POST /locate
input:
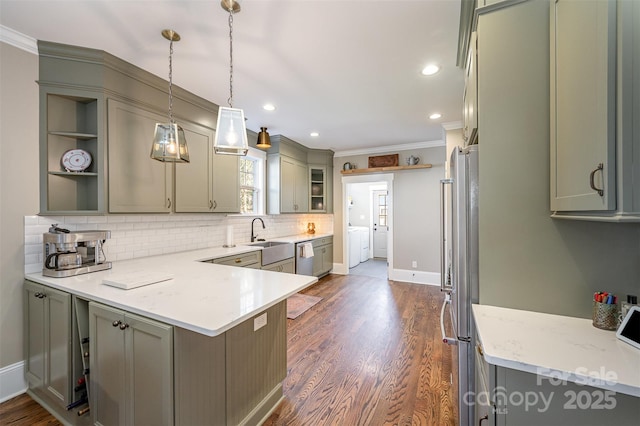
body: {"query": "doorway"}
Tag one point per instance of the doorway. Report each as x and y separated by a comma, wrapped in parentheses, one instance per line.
(367, 210)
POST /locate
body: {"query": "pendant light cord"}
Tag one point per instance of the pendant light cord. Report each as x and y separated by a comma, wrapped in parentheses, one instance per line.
(171, 82)
(230, 100)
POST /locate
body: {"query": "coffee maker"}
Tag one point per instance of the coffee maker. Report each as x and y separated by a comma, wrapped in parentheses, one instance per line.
(67, 253)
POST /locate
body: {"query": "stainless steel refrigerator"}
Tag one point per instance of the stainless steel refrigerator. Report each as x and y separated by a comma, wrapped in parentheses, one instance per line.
(459, 272)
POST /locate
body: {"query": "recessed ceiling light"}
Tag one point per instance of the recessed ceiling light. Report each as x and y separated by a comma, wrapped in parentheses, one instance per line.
(435, 116)
(314, 134)
(269, 107)
(430, 69)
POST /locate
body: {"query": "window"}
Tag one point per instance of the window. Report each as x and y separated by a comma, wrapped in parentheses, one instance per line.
(382, 210)
(252, 182)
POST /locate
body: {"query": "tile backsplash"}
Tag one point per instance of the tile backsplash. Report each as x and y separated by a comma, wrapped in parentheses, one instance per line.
(134, 236)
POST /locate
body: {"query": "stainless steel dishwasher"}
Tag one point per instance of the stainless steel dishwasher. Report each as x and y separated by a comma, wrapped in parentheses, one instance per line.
(304, 265)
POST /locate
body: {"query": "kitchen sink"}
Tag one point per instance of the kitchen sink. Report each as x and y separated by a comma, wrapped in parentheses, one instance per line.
(274, 251)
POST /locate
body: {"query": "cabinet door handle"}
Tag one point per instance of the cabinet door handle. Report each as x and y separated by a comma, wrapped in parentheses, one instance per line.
(124, 326)
(592, 180)
(116, 323)
(210, 204)
(215, 204)
(168, 203)
(238, 260)
(40, 295)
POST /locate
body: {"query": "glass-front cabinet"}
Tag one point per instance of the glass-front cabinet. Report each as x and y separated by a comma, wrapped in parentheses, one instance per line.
(317, 189)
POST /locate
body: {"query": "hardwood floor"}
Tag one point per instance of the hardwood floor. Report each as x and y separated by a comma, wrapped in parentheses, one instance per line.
(370, 353)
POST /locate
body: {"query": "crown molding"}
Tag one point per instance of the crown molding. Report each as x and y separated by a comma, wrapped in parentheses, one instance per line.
(452, 125)
(19, 40)
(390, 148)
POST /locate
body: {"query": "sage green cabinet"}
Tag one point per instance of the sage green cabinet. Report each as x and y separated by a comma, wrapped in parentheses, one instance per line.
(322, 256)
(131, 368)
(583, 66)
(210, 182)
(287, 177)
(137, 184)
(69, 120)
(470, 95)
(48, 343)
(318, 189)
(251, 259)
(287, 266)
(294, 189)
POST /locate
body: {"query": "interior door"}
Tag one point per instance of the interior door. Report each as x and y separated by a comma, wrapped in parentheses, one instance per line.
(380, 223)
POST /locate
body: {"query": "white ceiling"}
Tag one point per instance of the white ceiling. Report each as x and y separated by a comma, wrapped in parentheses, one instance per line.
(348, 69)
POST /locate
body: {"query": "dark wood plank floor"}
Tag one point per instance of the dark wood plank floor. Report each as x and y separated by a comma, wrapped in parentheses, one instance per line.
(370, 353)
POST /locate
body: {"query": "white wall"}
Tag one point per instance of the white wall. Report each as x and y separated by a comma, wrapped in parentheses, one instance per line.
(18, 186)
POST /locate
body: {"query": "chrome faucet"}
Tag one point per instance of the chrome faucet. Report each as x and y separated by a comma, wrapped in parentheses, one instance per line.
(254, 236)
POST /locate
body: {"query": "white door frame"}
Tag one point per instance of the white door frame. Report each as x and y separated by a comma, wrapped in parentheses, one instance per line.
(372, 178)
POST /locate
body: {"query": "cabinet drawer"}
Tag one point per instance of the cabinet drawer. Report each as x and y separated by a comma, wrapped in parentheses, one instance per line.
(243, 259)
(322, 241)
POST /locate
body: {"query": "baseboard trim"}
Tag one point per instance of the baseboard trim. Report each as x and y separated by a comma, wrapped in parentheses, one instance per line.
(403, 275)
(416, 277)
(12, 381)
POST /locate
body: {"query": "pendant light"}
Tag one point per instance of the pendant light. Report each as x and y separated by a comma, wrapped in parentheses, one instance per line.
(169, 142)
(264, 141)
(231, 133)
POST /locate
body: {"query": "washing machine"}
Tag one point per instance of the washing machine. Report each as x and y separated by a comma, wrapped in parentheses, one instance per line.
(364, 243)
(354, 237)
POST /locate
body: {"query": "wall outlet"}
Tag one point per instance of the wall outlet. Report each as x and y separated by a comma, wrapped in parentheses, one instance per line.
(259, 322)
(414, 264)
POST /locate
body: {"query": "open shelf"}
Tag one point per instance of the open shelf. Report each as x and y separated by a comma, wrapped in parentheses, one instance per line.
(75, 135)
(71, 122)
(384, 169)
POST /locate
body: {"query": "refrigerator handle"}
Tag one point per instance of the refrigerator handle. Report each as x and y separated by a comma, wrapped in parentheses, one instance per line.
(443, 240)
(445, 339)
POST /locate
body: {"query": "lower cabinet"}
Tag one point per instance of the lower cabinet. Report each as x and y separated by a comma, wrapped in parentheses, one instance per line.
(322, 256)
(48, 338)
(252, 259)
(288, 266)
(131, 368)
(234, 378)
(505, 396)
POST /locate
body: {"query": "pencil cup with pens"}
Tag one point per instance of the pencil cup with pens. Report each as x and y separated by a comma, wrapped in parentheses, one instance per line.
(605, 311)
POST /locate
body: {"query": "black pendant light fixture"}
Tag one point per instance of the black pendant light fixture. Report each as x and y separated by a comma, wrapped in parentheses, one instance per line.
(231, 132)
(264, 141)
(169, 142)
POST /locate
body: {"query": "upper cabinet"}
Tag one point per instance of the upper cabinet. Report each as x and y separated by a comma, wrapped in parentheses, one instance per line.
(470, 96)
(595, 95)
(583, 59)
(317, 193)
(210, 182)
(72, 151)
(136, 183)
(290, 178)
(97, 119)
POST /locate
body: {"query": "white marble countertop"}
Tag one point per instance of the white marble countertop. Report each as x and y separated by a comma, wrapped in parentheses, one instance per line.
(558, 347)
(203, 297)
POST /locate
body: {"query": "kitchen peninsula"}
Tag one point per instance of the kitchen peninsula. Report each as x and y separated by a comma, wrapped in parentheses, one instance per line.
(206, 346)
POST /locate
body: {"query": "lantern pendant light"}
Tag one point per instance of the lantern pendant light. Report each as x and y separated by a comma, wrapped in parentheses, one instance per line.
(169, 142)
(264, 141)
(231, 132)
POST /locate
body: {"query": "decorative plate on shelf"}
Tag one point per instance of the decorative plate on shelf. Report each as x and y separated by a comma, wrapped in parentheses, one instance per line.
(76, 160)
